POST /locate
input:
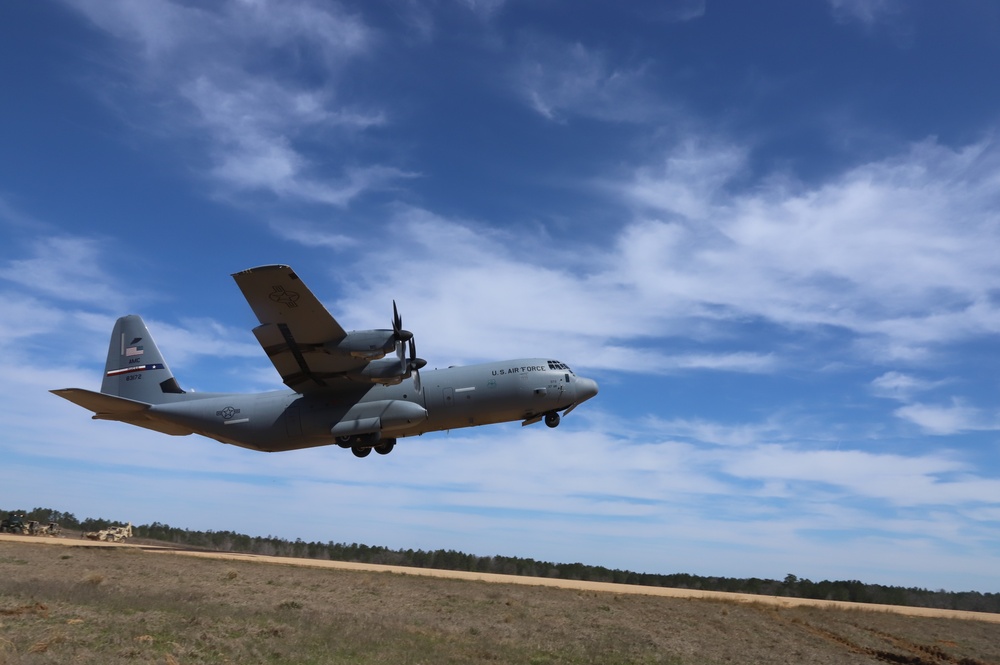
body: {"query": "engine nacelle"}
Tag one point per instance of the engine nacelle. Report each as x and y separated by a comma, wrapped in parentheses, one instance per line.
(388, 372)
(366, 344)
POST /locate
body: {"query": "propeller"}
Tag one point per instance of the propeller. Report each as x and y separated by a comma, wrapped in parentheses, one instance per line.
(403, 338)
(414, 364)
(397, 326)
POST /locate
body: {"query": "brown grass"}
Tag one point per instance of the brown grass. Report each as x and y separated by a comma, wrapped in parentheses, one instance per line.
(118, 605)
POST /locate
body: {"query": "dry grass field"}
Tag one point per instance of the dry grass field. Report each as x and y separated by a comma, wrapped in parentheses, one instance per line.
(81, 604)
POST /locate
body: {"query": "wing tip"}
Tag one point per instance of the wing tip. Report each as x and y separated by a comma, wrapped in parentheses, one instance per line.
(263, 268)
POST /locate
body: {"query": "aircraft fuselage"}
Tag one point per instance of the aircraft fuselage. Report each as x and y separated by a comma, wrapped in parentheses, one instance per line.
(451, 398)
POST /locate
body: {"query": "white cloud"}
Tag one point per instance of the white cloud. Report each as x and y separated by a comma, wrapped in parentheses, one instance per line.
(157, 26)
(258, 123)
(313, 235)
(716, 433)
(171, 33)
(689, 182)
(900, 386)
(944, 420)
(64, 268)
(561, 79)
(484, 294)
(867, 12)
(253, 124)
(902, 480)
(202, 337)
(676, 10)
(897, 256)
(484, 8)
(899, 252)
(934, 419)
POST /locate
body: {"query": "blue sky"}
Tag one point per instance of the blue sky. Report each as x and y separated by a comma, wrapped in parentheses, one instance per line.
(769, 230)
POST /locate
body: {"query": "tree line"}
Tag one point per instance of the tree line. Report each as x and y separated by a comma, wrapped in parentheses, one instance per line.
(791, 586)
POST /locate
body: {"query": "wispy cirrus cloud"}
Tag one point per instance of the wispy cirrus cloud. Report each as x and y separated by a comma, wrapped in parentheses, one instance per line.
(866, 12)
(257, 124)
(560, 80)
(676, 10)
(484, 8)
(172, 34)
(65, 269)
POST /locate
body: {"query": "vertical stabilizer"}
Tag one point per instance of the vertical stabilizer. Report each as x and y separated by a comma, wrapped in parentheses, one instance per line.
(135, 369)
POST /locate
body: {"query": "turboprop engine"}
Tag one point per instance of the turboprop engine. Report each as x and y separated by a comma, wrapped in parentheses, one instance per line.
(365, 344)
(373, 344)
(393, 371)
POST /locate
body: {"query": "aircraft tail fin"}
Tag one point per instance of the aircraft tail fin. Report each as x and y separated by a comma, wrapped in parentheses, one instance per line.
(135, 369)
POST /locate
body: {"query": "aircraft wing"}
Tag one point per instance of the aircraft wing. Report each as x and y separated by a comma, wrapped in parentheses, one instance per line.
(294, 329)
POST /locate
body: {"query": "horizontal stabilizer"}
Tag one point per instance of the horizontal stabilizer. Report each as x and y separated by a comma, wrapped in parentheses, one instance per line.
(101, 404)
(109, 407)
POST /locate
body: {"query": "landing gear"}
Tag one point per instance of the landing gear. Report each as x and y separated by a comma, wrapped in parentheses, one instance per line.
(552, 419)
(362, 446)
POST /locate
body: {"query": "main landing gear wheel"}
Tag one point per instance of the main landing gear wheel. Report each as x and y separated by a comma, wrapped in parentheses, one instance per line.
(361, 452)
(385, 447)
(552, 419)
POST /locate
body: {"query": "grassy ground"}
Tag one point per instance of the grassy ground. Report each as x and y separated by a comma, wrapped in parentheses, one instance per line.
(97, 605)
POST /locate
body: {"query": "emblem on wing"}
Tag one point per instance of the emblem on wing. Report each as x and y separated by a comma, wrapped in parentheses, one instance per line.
(280, 295)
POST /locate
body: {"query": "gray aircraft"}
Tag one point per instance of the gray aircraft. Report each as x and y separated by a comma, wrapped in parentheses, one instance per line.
(343, 388)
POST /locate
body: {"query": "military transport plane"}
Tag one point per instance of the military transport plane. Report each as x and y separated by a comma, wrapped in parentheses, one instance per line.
(344, 389)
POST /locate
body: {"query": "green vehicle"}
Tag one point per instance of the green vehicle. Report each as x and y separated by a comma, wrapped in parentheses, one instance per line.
(14, 524)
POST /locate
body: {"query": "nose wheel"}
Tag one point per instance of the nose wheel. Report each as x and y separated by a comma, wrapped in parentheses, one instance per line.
(552, 419)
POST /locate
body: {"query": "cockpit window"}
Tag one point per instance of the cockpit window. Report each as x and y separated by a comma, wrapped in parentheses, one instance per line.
(555, 364)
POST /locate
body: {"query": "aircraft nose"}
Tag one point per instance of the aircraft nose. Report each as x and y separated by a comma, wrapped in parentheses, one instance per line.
(585, 389)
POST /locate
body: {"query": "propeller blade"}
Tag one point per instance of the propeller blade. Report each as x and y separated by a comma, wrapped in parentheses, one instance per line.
(397, 325)
(414, 364)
